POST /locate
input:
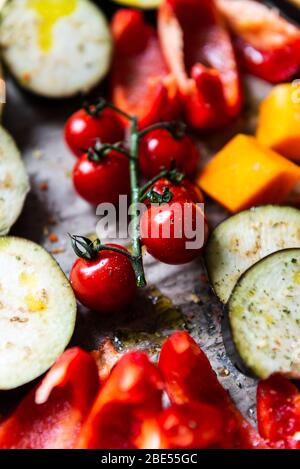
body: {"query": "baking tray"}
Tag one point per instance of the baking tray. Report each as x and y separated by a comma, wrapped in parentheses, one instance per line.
(177, 297)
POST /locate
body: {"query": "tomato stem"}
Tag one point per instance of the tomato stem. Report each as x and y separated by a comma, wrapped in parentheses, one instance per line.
(135, 199)
(171, 174)
(156, 198)
(177, 129)
(95, 109)
(89, 250)
(100, 150)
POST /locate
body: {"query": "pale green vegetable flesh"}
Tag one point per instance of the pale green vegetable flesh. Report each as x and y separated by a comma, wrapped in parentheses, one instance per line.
(14, 183)
(56, 53)
(37, 311)
(264, 315)
(243, 239)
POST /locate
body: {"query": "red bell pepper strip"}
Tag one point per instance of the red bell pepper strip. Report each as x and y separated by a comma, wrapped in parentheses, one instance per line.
(278, 412)
(51, 415)
(191, 426)
(268, 45)
(199, 52)
(141, 84)
(131, 396)
(190, 378)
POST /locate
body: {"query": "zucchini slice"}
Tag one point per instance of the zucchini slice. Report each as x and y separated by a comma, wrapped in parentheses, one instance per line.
(264, 315)
(14, 183)
(242, 240)
(37, 311)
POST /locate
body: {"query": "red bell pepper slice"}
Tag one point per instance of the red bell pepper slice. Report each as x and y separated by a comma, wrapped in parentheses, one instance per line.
(190, 378)
(131, 396)
(199, 52)
(269, 45)
(278, 412)
(141, 83)
(51, 415)
(191, 426)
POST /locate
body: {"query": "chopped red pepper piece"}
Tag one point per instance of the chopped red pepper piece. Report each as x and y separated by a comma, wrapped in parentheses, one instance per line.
(192, 426)
(190, 378)
(51, 415)
(199, 52)
(141, 83)
(131, 396)
(268, 45)
(278, 412)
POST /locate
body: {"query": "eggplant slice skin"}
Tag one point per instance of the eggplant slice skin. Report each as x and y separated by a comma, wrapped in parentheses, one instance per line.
(246, 238)
(264, 315)
(14, 182)
(37, 311)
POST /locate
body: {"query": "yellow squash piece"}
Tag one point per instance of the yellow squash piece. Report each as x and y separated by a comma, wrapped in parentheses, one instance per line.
(245, 174)
(279, 120)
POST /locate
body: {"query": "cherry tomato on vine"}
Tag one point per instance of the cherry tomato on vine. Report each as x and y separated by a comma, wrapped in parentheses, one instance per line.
(104, 180)
(83, 130)
(158, 149)
(105, 284)
(185, 190)
(166, 231)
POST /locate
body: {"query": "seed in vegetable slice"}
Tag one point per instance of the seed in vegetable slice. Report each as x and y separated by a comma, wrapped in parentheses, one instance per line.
(264, 315)
(14, 183)
(37, 311)
(242, 240)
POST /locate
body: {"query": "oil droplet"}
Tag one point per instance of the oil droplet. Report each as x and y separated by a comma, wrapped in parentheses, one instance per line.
(251, 412)
(34, 304)
(159, 319)
(28, 280)
(50, 11)
(297, 277)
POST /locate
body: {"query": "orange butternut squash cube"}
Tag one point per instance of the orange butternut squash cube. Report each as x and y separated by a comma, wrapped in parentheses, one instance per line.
(245, 174)
(279, 120)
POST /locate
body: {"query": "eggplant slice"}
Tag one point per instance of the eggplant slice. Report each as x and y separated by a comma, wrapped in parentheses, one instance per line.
(14, 183)
(264, 315)
(37, 311)
(56, 48)
(242, 240)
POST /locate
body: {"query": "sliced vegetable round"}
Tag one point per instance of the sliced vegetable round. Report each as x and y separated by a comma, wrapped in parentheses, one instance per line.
(37, 311)
(242, 240)
(264, 315)
(14, 183)
(55, 49)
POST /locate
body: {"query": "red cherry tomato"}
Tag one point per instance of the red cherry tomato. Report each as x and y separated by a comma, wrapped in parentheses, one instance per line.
(158, 149)
(82, 131)
(103, 181)
(166, 231)
(105, 284)
(186, 190)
